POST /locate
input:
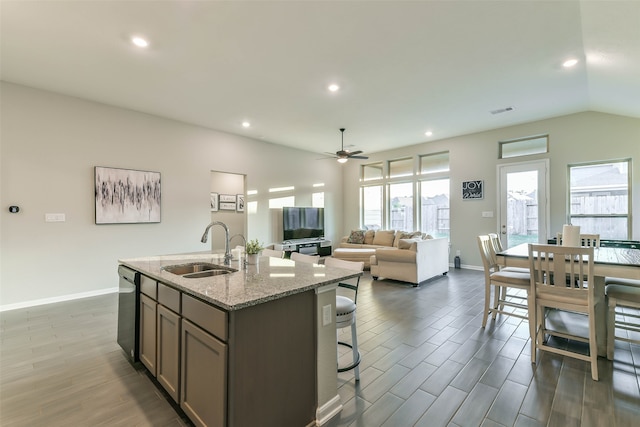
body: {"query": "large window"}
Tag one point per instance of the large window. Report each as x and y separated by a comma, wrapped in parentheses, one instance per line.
(434, 207)
(372, 207)
(401, 206)
(599, 198)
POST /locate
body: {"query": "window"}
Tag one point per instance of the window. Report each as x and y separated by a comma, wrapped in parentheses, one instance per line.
(317, 200)
(434, 207)
(400, 168)
(599, 198)
(524, 146)
(282, 202)
(401, 206)
(372, 207)
(372, 171)
(434, 163)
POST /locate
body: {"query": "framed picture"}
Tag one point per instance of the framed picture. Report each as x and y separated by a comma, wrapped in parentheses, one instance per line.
(125, 196)
(472, 189)
(230, 198)
(240, 203)
(214, 202)
(227, 206)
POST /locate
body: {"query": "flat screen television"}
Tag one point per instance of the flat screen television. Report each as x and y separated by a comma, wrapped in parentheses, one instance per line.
(302, 223)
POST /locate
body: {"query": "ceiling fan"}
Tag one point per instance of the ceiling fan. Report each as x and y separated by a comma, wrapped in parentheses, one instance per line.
(343, 155)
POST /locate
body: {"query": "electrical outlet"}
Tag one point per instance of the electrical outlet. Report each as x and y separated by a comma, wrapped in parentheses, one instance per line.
(326, 315)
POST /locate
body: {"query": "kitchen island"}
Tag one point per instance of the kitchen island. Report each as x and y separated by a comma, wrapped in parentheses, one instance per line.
(254, 346)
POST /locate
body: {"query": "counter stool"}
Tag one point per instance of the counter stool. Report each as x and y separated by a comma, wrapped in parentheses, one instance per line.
(346, 311)
(625, 294)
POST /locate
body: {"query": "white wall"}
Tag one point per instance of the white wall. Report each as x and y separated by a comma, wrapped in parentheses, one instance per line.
(575, 138)
(50, 145)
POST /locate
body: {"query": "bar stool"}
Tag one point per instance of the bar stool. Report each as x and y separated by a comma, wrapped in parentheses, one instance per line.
(346, 311)
(625, 294)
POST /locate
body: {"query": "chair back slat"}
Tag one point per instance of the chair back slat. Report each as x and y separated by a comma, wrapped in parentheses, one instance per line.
(561, 269)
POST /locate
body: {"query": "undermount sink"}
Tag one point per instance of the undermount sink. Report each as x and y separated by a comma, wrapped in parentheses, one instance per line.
(198, 269)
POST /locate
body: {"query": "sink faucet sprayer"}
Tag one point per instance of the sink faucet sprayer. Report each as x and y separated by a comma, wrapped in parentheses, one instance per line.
(205, 236)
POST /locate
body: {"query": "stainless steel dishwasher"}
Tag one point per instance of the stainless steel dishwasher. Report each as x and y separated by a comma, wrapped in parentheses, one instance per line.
(128, 306)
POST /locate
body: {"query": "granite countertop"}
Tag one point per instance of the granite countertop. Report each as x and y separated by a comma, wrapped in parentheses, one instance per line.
(270, 279)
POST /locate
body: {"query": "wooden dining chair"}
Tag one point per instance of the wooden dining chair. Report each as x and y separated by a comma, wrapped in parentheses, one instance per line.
(496, 247)
(562, 279)
(496, 279)
(311, 259)
(623, 303)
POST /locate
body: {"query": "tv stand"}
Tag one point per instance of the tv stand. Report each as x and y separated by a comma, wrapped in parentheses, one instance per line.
(315, 246)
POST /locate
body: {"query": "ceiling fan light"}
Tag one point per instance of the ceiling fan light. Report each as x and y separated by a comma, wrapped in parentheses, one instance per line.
(342, 160)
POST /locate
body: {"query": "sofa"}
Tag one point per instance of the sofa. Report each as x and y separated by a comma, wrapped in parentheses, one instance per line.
(406, 256)
(423, 260)
(360, 245)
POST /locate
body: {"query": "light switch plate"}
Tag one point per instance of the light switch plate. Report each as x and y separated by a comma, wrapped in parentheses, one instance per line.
(487, 214)
(54, 217)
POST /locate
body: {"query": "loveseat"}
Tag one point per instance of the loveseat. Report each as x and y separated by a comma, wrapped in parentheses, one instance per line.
(406, 256)
(423, 260)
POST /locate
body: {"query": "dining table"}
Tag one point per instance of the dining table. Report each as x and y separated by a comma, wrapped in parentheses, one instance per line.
(608, 262)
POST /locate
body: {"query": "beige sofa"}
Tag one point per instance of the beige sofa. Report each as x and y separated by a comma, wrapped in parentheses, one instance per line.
(360, 245)
(423, 260)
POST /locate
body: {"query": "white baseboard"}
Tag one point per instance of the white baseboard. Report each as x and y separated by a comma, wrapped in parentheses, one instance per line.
(329, 410)
(61, 298)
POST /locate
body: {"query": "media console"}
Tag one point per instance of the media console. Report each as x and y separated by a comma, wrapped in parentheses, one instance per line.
(317, 246)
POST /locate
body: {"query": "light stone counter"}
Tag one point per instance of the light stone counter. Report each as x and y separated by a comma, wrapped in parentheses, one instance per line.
(270, 279)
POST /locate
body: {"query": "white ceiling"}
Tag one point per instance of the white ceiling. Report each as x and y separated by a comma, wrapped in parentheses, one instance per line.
(403, 67)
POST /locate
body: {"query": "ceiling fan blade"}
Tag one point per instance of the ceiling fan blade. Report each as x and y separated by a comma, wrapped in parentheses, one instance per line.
(353, 153)
(358, 157)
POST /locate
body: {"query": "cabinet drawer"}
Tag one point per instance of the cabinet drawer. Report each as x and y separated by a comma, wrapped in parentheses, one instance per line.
(208, 317)
(148, 286)
(169, 297)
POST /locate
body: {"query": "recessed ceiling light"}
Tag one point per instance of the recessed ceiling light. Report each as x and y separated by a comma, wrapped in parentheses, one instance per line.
(139, 41)
(246, 124)
(334, 87)
(428, 133)
(569, 63)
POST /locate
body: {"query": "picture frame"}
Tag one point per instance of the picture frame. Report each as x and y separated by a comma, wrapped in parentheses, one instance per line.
(127, 196)
(229, 198)
(472, 190)
(228, 206)
(214, 202)
(240, 202)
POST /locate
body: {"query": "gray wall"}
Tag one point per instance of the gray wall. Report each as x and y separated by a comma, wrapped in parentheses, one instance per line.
(575, 138)
(50, 145)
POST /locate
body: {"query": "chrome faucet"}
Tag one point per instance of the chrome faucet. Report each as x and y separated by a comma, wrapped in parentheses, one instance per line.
(227, 251)
(244, 240)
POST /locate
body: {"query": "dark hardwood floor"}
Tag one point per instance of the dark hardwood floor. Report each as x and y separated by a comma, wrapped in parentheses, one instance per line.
(425, 362)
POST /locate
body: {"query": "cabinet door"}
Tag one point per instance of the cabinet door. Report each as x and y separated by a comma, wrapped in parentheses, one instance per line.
(168, 352)
(203, 394)
(147, 337)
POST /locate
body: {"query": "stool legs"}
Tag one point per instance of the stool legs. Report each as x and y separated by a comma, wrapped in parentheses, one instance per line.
(354, 349)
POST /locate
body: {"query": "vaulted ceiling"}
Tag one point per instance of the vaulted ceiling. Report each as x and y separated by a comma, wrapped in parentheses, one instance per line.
(403, 67)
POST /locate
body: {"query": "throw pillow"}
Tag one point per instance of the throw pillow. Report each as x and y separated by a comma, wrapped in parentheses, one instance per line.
(356, 236)
(408, 243)
(406, 235)
(384, 237)
(368, 237)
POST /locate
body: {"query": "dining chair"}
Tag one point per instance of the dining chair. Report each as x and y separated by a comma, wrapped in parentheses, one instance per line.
(272, 253)
(573, 292)
(311, 259)
(496, 245)
(623, 302)
(586, 239)
(497, 279)
(346, 311)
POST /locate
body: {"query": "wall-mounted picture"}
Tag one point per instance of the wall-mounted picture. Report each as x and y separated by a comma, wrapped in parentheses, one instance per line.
(229, 198)
(472, 189)
(227, 206)
(240, 203)
(214, 202)
(125, 196)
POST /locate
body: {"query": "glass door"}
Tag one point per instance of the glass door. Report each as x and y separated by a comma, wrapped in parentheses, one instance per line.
(523, 206)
